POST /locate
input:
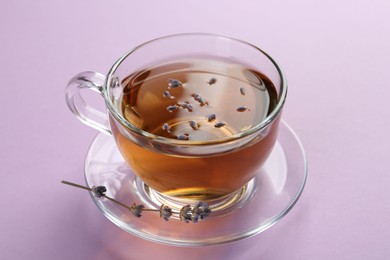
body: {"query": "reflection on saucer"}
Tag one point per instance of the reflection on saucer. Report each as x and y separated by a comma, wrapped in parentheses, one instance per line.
(276, 166)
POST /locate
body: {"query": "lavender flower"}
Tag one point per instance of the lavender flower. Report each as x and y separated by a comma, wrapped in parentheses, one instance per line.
(99, 191)
(219, 125)
(137, 209)
(183, 137)
(211, 118)
(187, 106)
(243, 109)
(165, 212)
(212, 81)
(174, 83)
(200, 211)
(185, 214)
(166, 94)
(201, 100)
(166, 127)
(194, 125)
(172, 108)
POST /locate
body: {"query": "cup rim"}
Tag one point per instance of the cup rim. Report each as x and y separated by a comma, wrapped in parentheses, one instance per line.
(263, 124)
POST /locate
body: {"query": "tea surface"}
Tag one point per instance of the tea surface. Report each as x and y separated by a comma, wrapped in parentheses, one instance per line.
(197, 99)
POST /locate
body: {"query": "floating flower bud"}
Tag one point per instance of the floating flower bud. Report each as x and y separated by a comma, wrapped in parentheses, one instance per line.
(242, 91)
(136, 209)
(201, 100)
(99, 191)
(174, 83)
(194, 125)
(187, 106)
(165, 212)
(166, 127)
(166, 94)
(211, 117)
(172, 108)
(212, 81)
(185, 214)
(242, 109)
(219, 125)
(183, 137)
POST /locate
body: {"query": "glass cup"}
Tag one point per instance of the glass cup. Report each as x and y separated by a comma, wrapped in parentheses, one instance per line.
(222, 96)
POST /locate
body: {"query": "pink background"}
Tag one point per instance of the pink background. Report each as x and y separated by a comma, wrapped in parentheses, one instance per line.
(337, 60)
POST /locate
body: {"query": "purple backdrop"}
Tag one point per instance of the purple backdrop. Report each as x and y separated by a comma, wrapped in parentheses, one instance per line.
(336, 57)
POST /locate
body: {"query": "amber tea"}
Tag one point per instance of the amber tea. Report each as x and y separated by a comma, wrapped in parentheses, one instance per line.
(197, 100)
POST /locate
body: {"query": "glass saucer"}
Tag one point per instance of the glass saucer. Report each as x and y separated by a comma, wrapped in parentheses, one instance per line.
(274, 191)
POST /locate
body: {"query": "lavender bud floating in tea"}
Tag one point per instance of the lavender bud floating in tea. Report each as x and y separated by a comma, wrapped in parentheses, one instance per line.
(183, 137)
(167, 94)
(166, 127)
(242, 109)
(174, 83)
(212, 81)
(219, 125)
(172, 108)
(211, 118)
(199, 212)
(201, 100)
(187, 106)
(194, 125)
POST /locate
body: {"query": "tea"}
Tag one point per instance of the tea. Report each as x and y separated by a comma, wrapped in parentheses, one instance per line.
(197, 100)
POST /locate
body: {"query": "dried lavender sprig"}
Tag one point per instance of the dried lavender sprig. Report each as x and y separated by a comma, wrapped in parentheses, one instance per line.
(200, 211)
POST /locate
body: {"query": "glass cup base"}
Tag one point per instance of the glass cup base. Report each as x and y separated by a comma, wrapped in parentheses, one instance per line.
(267, 198)
(220, 206)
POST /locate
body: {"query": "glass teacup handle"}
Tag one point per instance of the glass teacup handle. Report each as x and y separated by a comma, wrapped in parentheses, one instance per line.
(85, 113)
